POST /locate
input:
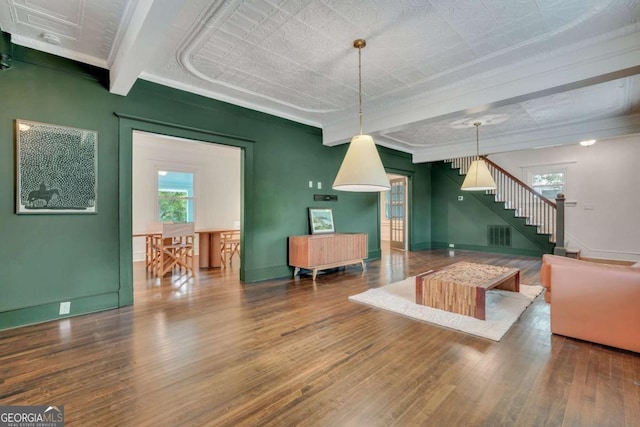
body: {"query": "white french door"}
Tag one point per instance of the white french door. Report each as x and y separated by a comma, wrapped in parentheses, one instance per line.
(398, 213)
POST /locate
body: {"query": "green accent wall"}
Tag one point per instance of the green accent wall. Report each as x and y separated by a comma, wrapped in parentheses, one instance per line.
(86, 259)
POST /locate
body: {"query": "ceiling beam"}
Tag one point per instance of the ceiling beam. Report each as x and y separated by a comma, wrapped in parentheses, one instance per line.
(607, 60)
(149, 24)
(539, 138)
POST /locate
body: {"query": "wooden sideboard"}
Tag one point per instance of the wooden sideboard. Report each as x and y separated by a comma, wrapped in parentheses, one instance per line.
(321, 251)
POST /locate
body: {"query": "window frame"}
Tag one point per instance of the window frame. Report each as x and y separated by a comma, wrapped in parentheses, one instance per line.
(531, 172)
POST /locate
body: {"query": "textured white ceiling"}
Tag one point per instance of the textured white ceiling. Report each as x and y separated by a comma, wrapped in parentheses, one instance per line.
(540, 72)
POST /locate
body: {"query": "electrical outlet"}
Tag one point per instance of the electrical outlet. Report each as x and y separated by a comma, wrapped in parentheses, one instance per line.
(451, 245)
(319, 185)
(310, 184)
(65, 307)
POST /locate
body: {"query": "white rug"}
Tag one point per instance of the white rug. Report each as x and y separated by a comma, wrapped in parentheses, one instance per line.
(502, 308)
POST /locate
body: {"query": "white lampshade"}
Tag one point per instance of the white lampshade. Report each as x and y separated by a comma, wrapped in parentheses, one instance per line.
(478, 177)
(362, 168)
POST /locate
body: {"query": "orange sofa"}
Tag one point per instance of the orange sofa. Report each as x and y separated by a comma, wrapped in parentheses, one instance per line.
(593, 301)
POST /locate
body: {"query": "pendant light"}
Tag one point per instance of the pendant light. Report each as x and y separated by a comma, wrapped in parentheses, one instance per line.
(478, 176)
(361, 169)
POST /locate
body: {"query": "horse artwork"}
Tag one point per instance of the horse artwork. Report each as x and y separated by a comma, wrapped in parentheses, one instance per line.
(56, 169)
(41, 194)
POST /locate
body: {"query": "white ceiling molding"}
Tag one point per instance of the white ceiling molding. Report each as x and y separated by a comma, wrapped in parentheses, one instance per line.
(549, 137)
(274, 109)
(58, 51)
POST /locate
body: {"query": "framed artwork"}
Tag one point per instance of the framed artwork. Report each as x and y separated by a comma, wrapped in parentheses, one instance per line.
(321, 220)
(56, 169)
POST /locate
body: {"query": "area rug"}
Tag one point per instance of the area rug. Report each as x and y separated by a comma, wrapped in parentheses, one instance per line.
(502, 308)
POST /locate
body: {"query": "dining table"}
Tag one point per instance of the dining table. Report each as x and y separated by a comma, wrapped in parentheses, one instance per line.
(209, 250)
(209, 246)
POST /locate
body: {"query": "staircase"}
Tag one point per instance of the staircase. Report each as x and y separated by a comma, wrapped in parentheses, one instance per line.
(536, 209)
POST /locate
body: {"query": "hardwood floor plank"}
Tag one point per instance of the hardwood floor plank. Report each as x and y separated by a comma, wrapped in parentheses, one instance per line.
(210, 351)
(630, 389)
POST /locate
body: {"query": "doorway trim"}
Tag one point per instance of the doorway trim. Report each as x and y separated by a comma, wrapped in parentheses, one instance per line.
(126, 125)
(409, 205)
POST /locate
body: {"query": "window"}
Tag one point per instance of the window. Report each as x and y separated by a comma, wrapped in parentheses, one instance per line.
(387, 203)
(397, 200)
(175, 196)
(549, 184)
(394, 202)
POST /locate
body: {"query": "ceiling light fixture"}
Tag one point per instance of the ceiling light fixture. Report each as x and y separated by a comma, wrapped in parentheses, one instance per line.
(478, 176)
(588, 142)
(361, 169)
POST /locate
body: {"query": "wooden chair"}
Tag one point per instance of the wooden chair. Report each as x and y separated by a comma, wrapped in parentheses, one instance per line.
(175, 248)
(229, 244)
(152, 241)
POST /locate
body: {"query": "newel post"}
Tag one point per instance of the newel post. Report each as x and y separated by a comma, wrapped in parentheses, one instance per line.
(560, 249)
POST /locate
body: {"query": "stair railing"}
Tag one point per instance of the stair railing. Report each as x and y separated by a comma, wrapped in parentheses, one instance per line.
(515, 194)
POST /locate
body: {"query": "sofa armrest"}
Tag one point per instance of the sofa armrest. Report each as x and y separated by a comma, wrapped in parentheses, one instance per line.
(596, 304)
(548, 261)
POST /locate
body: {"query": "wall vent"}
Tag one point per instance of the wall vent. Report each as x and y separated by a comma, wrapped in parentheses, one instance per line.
(499, 235)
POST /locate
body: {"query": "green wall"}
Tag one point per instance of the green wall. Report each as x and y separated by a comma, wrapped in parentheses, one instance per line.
(86, 259)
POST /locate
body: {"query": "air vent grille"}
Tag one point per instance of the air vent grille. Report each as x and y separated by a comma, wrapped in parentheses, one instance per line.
(499, 235)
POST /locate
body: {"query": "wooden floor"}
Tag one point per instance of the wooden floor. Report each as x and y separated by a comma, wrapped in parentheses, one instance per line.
(213, 352)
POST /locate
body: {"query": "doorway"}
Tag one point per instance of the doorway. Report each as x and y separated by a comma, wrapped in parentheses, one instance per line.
(130, 124)
(181, 180)
(394, 220)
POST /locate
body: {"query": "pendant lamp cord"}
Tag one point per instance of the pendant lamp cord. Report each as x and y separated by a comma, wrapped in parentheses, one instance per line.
(477, 125)
(360, 84)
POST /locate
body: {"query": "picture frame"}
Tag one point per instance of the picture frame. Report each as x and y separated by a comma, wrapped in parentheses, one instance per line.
(321, 221)
(56, 169)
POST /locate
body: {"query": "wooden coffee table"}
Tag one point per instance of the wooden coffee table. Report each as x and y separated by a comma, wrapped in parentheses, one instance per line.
(461, 287)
